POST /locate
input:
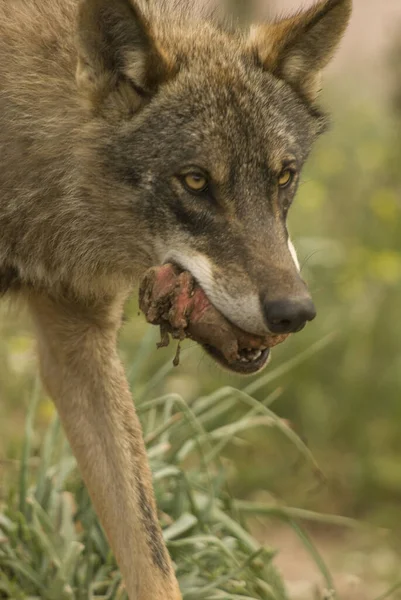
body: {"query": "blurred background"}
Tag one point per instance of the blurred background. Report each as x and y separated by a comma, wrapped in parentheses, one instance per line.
(343, 396)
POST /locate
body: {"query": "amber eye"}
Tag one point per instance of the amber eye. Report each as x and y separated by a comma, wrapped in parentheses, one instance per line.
(285, 178)
(195, 182)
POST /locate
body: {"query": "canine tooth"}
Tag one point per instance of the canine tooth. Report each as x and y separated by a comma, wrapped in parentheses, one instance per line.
(257, 355)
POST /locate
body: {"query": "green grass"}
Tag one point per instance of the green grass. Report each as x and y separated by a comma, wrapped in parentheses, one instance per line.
(52, 546)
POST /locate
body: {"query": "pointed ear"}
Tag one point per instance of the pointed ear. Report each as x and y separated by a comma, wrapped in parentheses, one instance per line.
(298, 48)
(116, 52)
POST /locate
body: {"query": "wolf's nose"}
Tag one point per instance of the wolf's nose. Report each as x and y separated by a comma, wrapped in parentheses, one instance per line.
(289, 316)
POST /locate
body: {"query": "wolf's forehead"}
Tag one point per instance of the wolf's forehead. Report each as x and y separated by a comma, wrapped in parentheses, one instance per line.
(250, 118)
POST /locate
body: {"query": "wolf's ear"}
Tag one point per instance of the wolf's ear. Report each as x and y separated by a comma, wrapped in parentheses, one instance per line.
(298, 48)
(116, 51)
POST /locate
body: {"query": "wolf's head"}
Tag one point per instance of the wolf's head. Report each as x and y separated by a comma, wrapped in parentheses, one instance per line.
(199, 135)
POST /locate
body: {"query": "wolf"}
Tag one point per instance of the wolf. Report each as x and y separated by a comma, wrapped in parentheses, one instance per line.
(136, 133)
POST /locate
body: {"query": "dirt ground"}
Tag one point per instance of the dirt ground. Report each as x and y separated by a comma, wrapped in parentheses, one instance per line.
(363, 567)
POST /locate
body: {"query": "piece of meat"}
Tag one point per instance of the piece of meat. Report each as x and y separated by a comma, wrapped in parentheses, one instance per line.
(173, 300)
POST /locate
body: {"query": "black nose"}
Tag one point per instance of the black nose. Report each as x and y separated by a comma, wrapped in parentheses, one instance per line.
(289, 316)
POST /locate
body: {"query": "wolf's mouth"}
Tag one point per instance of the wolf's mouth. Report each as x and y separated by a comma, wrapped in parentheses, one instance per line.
(172, 299)
(248, 363)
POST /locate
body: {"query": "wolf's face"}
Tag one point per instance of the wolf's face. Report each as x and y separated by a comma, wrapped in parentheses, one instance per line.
(204, 150)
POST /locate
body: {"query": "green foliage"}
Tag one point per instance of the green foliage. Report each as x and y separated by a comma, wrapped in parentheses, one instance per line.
(347, 400)
(53, 548)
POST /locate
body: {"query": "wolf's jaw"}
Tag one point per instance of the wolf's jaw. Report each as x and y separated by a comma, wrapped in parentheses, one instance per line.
(247, 364)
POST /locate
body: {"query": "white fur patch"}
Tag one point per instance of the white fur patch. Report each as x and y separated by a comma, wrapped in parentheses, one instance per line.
(293, 253)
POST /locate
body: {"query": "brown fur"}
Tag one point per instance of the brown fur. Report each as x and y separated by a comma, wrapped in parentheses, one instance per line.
(101, 107)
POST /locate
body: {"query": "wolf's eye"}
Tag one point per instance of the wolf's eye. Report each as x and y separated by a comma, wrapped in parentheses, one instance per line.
(285, 178)
(195, 182)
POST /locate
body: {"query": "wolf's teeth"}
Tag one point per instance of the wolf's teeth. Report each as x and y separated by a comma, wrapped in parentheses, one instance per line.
(248, 355)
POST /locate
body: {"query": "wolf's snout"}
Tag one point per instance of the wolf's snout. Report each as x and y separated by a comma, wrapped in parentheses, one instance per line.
(288, 315)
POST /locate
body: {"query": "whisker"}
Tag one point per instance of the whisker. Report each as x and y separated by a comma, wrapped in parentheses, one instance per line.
(308, 257)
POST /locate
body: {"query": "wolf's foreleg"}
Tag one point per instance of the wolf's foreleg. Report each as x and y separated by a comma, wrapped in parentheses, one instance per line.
(81, 370)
